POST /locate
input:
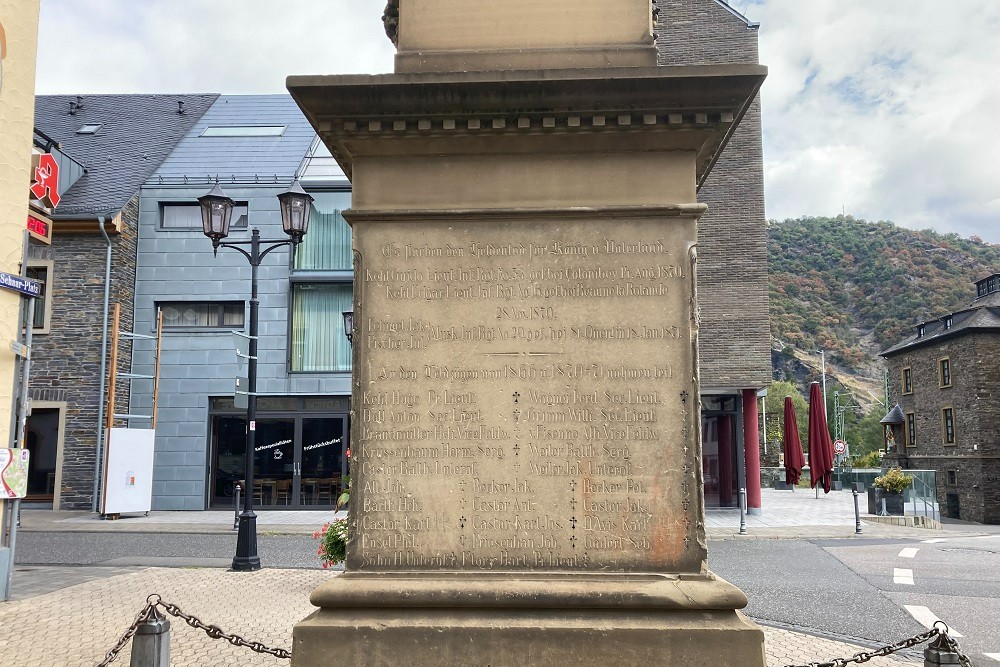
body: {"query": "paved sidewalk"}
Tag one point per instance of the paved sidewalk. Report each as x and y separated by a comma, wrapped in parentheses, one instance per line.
(76, 625)
(786, 514)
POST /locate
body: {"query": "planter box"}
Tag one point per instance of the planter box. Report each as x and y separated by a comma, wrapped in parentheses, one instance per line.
(894, 502)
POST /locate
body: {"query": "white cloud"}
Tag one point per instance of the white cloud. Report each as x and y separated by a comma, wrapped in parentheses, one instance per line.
(883, 108)
(227, 46)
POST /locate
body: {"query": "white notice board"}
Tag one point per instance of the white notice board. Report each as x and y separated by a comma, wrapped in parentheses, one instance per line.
(128, 470)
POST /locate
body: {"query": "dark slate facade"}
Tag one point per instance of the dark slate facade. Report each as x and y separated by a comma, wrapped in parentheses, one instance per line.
(965, 456)
(735, 339)
(135, 133)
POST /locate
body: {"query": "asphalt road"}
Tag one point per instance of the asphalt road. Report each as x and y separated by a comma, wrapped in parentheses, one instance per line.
(860, 588)
(849, 588)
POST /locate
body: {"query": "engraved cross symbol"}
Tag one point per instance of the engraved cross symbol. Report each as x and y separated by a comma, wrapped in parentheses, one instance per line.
(572, 504)
(517, 449)
(461, 540)
(517, 396)
(685, 396)
(517, 414)
(572, 541)
(572, 522)
(461, 522)
(461, 485)
(572, 485)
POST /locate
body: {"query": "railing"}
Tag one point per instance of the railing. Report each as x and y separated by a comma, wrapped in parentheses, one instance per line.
(919, 500)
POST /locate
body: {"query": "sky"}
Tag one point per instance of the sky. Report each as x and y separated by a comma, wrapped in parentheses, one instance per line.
(880, 110)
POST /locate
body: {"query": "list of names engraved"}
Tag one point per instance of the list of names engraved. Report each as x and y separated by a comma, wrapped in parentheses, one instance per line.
(526, 398)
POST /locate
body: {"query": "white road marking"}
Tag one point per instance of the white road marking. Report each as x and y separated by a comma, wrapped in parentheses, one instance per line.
(902, 576)
(908, 552)
(994, 656)
(926, 618)
(935, 540)
(984, 537)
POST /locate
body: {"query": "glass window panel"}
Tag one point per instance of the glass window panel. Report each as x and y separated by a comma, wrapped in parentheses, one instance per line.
(188, 216)
(41, 274)
(232, 315)
(202, 314)
(318, 340)
(274, 460)
(327, 244)
(323, 455)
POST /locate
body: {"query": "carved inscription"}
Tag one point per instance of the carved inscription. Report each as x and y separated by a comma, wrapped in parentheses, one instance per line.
(524, 404)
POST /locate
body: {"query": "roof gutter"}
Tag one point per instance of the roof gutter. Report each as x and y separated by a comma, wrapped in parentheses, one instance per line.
(99, 458)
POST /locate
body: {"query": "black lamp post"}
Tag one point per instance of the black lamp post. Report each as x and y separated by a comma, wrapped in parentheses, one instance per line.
(216, 214)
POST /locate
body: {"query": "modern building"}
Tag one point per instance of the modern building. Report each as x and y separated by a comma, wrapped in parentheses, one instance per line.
(946, 379)
(254, 146)
(109, 145)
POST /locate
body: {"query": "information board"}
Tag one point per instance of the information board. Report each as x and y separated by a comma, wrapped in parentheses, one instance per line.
(128, 476)
(14, 473)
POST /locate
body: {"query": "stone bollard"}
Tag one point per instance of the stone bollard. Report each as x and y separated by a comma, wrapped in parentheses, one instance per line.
(151, 642)
(941, 652)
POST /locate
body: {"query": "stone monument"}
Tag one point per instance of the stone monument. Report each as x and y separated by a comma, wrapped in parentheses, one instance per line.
(526, 468)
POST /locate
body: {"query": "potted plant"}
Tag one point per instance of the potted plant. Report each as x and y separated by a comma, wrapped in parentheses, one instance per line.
(890, 487)
(334, 534)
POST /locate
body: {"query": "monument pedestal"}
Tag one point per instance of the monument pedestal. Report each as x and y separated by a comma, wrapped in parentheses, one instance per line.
(450, 619)
(526, 417)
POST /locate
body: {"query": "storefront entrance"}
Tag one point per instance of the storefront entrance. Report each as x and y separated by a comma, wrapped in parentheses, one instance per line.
(300, 456)
(42, 439)
(719, 455)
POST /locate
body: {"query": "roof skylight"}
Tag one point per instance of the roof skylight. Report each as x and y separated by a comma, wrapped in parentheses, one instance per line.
(90, 128)
(244, 131)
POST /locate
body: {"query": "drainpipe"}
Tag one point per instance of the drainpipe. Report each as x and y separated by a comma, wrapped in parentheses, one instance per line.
(99, 458)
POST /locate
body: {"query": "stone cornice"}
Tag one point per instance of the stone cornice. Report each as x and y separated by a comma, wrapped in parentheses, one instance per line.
(705, 101)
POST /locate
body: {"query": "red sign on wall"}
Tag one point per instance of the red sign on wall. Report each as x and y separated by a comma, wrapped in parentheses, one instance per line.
(45, 187)
(39, 228)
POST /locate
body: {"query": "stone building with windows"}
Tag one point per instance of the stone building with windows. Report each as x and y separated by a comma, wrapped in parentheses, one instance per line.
(946, 380)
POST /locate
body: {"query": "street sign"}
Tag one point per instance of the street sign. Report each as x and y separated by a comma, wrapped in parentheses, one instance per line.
(839, 447)
(25, 286)
(14, 473)
(20, 349)
(240, 395)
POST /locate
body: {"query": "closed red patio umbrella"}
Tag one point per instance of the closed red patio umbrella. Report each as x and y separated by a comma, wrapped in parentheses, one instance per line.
(794, 460)
(820, 445)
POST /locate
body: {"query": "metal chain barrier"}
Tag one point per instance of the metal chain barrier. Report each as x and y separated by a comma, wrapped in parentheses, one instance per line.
(215, 632)
(943, 642)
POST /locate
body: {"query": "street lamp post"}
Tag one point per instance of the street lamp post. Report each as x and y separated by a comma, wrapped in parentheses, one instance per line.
(216, 214)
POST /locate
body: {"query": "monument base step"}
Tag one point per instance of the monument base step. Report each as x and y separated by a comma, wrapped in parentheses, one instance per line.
(500, 620)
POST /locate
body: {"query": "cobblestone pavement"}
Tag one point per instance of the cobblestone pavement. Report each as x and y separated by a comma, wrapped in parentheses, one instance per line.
(76, 625)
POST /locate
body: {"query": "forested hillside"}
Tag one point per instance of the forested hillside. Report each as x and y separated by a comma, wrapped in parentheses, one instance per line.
(854, 287)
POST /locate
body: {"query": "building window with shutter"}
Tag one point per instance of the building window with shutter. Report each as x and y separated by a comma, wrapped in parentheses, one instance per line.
(948, 425)
(911, 430)
(944, 372)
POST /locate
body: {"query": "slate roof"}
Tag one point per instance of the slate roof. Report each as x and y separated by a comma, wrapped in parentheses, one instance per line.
(137, 132)
(274, 158)
(981, 318)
